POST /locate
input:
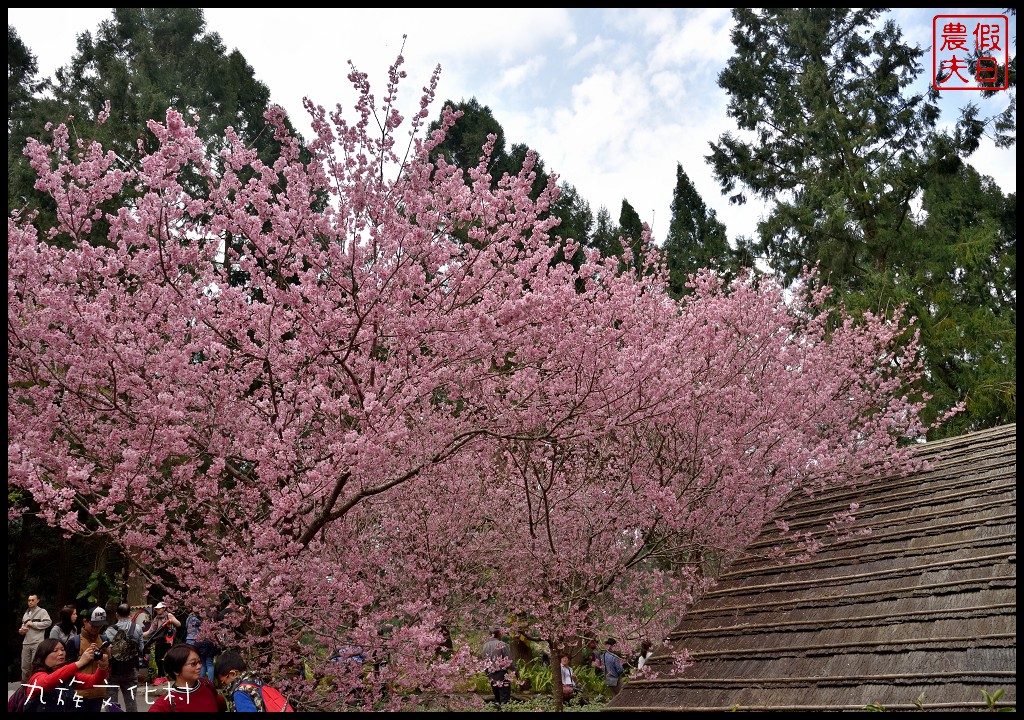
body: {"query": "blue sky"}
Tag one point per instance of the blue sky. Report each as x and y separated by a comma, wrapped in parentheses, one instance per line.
(611, 98)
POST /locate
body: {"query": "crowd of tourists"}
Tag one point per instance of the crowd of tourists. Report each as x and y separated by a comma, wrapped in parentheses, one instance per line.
(95, 665)
(88, 664)
(608, 665)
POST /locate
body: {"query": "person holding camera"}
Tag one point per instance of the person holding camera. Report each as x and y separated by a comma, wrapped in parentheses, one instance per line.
(92, 629)
(55, 684)
(161, 635)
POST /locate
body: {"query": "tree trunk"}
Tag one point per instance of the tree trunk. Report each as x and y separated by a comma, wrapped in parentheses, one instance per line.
(556, 674)
(136, 585)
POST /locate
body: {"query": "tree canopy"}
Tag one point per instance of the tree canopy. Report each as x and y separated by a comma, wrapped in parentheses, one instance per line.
(387, 436)
(845, 152)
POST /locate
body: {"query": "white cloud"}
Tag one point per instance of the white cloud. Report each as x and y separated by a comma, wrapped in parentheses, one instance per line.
(596, 50)
(701, 39)
(515, 76)
(669, 86)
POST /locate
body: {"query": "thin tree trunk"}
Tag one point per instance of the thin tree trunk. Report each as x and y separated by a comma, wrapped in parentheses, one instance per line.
(556, 674)
(136, 585)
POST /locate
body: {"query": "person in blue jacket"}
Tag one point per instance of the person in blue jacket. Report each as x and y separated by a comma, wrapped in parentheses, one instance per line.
(243, 690)
(612, 667)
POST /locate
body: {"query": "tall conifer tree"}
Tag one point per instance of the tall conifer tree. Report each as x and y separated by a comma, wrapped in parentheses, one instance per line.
(143, 61)
(840, 144)
(696, 238)
(632, 228)
(842, 148)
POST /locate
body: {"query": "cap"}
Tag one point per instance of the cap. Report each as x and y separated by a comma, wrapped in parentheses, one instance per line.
(98, 616)
(159, 605)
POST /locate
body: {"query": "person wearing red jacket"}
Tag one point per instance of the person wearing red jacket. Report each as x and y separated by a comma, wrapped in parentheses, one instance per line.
(54, 683)
(187, 691)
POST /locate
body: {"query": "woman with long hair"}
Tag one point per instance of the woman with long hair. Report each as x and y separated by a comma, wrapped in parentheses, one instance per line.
(187, 691)
(67, 630)
(54, 680)
(646, 650)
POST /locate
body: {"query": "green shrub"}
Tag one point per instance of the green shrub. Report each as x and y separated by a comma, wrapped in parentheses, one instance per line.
(591, 680)
(536, 674)
(481, 685)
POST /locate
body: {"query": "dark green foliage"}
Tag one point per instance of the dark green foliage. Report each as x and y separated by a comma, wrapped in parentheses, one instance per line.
(144, 60)
(463, 146)
(605, 237)
(696, 238)
(1004, 124)
(22, 69)
(632, 229)
(575, 223)
(839, 141)
(844, 151)
(23, 88)
(464, 140)
(960, 279)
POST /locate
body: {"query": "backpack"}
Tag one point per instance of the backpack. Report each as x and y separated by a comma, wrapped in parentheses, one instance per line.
(124, 648)
(206, 648)
(16, 702)
(19, 701)
(270, 699)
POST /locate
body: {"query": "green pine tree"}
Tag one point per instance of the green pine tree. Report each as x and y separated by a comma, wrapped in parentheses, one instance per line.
(696, 238)
(843, 149)
(144, 60)
(632, 229)
(605, 236)
(839, 144)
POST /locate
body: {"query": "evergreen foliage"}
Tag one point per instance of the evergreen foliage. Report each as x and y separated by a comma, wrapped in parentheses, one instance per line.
(143, 61)
(632, 229)
(696, 238)
(605, 237)
(844, 151)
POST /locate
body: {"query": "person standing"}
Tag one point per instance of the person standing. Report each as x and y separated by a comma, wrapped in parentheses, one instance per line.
(90, 640)
(497, 651)
(207, 648)
(161, 634)
(594, 656)
(34, 624)
(569, 684)
(66, 630)
(124, 670)
(612, 667)
(646, 650)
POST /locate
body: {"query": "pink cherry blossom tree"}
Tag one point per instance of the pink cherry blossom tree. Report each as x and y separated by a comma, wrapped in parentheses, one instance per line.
(709, 418)
(355, 392)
